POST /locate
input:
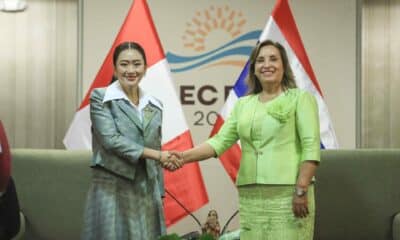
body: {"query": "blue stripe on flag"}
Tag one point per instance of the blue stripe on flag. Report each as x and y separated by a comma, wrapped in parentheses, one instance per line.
(240, 86)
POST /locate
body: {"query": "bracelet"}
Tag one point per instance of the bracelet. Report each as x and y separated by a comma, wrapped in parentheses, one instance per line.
(300, 192)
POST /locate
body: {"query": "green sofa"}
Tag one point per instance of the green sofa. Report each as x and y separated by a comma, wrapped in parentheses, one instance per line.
(51, 187)
(357, 193)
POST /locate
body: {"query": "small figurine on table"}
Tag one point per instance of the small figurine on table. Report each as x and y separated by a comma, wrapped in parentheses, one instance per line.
(211, 226)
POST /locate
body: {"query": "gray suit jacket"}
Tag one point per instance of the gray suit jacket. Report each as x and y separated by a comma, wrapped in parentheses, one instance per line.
(119, 137)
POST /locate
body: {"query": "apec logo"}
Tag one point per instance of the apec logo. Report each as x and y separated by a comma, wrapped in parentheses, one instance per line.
(202, 33)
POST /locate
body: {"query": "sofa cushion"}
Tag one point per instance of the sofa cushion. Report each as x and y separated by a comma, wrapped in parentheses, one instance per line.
(396, 227)
(52, 187)
(357, 194)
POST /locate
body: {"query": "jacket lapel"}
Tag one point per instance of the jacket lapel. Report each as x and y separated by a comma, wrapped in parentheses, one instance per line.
(128, 110)
(148, 113)
(251, 110)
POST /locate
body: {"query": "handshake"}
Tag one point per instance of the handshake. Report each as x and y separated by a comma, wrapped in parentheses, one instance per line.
(171, 160)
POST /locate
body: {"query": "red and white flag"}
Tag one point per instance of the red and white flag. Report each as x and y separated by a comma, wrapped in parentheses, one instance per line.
(281, 28)
(186, 184)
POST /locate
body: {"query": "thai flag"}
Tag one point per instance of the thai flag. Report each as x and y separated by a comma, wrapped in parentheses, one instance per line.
(186, 185)
(281, 28)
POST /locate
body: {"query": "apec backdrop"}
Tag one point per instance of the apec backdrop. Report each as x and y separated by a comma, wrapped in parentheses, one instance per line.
(201, 83)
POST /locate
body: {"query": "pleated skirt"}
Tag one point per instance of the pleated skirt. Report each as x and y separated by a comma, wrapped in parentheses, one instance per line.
(266, 214)
(118, 208)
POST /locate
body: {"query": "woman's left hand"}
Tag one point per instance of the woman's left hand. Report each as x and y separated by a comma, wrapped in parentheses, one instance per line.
(170, 161)
(300, 206)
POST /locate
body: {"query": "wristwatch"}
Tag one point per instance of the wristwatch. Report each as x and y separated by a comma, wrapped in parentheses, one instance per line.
(300, 192)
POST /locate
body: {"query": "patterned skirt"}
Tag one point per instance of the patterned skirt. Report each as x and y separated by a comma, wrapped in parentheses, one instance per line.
(117, 208)
(266, 214)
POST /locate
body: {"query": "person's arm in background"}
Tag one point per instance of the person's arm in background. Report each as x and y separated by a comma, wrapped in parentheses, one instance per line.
(307, 124)
(1, 151)
(9, 211)
(5, 160)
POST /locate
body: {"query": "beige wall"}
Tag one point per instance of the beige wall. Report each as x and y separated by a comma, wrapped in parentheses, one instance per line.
(328, 30)
(380, 74)
(38, 72)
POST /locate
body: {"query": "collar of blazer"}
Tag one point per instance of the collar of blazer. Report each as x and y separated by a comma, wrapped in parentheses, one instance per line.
(251, 110)
(125, 106)
(149, 111)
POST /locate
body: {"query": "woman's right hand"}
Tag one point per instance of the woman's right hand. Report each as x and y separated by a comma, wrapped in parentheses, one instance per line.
(170, 161)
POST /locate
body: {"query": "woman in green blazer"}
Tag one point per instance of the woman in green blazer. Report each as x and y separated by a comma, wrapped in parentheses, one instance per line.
(124, 199)
(278, 128)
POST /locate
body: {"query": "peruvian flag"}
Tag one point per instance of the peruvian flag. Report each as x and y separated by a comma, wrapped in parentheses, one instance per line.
(186, 185)
(281, 28)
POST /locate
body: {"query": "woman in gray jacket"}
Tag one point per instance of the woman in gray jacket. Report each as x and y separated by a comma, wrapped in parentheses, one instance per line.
(125, 197)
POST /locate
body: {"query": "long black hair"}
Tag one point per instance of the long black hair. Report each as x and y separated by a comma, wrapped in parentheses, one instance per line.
(124, 46)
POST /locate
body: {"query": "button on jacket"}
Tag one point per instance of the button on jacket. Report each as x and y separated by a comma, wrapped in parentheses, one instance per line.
(290, 135)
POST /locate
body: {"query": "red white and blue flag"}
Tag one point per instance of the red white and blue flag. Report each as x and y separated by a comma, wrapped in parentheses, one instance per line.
(281, 28)
(186, 185)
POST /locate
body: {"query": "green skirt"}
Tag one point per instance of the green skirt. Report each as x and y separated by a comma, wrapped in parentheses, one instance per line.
(266, 213)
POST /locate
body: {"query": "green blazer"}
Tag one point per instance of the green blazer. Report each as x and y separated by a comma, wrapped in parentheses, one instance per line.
(119, 137)
(291, 135)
